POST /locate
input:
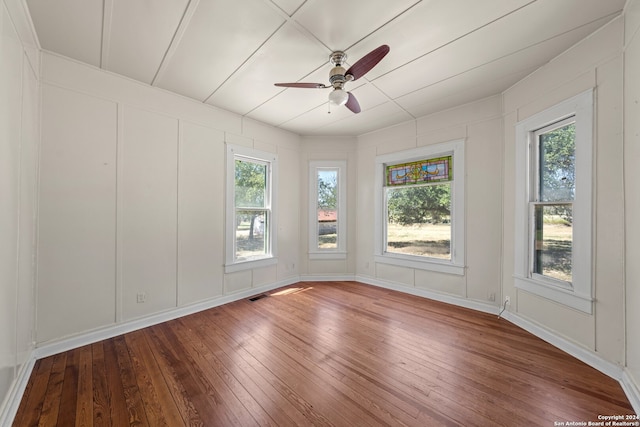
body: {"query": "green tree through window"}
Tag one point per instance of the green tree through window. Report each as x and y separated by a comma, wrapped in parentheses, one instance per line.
(250, 201)
(420, 205)
(557, 168)
(327, 189)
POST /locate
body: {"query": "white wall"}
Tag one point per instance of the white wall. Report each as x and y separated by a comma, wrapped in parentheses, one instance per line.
(76, 252)
(632, 189)
(18, 166)
(595, 62)
(480, 125)
(132, 201)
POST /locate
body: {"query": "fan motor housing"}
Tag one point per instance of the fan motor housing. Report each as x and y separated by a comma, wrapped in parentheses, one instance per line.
(336, 76)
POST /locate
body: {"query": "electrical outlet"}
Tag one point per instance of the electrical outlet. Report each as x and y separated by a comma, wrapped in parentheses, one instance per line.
(141, 297)
(491, 296)
(507, 300)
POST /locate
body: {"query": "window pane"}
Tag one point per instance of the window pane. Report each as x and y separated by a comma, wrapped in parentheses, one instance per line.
(419, 220)
(327, 207)
(557, 159)
(250, 184)
(553, 241)
(251, 230)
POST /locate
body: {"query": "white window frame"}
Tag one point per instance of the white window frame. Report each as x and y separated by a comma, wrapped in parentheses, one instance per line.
(579, 293)
(271, 160)
(456, 265)
(340, 251)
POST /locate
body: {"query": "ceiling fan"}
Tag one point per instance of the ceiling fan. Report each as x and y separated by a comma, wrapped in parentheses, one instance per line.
(338, 76)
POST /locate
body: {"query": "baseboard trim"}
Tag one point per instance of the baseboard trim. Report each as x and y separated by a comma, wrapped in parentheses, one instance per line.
(58, 346)
(449, 299)
(327, 278)
(631, 389)
(11, 404)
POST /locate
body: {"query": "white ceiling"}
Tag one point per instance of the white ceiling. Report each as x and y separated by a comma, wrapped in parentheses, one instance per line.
(228, 53)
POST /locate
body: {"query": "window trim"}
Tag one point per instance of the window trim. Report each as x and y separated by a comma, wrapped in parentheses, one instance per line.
(340, 252)
(579, 294)
(457, 263)
(271, 160)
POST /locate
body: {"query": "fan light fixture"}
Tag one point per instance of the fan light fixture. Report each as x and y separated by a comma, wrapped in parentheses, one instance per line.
(338, 97)
(338, 76)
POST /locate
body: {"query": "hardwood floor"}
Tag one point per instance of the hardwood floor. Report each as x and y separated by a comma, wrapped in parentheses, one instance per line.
(321, 353)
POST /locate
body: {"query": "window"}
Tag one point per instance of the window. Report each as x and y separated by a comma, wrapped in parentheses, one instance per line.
(420, 208)
(251, 177)
(553, 154)
(327, 209)
(554, 203)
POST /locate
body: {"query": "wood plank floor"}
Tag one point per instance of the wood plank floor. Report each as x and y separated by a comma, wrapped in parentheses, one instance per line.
(325, 354)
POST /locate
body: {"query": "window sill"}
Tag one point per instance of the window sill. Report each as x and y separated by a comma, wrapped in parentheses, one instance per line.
(421, 264)
(249, 264)
(328, 255)
(566, 297)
